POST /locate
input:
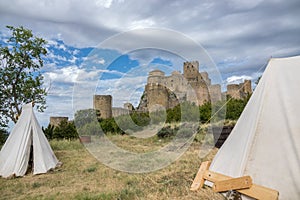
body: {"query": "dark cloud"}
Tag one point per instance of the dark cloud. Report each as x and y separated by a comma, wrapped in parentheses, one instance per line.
(250, 31)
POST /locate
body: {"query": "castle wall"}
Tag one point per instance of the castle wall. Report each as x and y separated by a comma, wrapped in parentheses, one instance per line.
(120, 111)
(204, 76)
(128, 106)
(103, 103)
(157, 96)
(247, 87)
(175, 82)
(215, 93)
(239, 91)
(233, 91)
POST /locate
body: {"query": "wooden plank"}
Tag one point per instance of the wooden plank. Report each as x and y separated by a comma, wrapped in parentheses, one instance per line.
(260, 192)
(199, 180)
(233, 184)
(255, 191)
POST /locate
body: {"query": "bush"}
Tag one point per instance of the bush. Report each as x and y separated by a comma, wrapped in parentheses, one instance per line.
(65, 130)
(110, 126)
(235, 108)
(48, 131)
(83, 117)
(3, 136)
(167, 131)
(92, 128)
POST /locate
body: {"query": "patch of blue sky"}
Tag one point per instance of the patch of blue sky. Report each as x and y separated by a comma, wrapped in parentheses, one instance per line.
(159, 60)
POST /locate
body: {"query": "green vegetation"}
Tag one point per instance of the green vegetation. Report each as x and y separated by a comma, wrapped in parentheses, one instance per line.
(65, 130)
(3, 136)
(83, 177)
(235, 107)
(20, 79)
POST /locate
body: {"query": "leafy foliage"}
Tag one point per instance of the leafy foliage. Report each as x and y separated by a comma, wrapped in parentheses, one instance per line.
(48, 131)
(166, 132)
(3, 136)
(65, 130)
(235, 107)
(83, 117)
(20, 80)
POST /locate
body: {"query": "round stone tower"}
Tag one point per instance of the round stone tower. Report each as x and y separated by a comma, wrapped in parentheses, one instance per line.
(103, 103)
(156, 76)
(157, 96)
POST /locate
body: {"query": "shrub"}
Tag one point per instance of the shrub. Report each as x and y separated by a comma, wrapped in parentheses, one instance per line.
(3, 136)
(166, 132)
(65, 130)
(235, 108)
(48, 131)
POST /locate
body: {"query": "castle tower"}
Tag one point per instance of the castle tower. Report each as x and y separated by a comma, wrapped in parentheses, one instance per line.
(247, 87)
(158, 96)
(191, 70)
(215, 93)
(155, 76)
(234, 91)
(103, 103)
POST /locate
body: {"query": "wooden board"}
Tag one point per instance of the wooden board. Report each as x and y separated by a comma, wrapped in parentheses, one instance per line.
(255, 191)
(233, 184)
(199, 180)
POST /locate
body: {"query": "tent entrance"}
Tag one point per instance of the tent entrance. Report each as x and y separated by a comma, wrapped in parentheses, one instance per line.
(30, 157)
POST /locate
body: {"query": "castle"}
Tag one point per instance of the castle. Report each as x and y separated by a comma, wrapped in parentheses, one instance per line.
(168, 91)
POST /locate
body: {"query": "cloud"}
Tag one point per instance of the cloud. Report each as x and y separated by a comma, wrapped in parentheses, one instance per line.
(237, 79)
(239, 36)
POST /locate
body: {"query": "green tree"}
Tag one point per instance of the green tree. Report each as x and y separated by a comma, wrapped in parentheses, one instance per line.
(65, 130)
(257, 81)
(83, 117)
(20, 79)
(3, 136)
(48, 131)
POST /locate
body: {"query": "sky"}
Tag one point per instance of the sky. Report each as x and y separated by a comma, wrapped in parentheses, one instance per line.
(109, 46)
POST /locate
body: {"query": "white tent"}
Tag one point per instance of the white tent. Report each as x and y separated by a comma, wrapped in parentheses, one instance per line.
(265, 143)
(15, 153)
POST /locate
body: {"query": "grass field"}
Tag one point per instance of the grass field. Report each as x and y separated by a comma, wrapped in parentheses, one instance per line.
(83, 177)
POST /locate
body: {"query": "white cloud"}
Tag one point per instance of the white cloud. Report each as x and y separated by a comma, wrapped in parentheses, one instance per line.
(237, 79)
(101, 61)
(104, 3)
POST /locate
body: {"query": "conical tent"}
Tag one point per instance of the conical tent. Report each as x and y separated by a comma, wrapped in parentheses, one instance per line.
(265, 143)
(15, 153)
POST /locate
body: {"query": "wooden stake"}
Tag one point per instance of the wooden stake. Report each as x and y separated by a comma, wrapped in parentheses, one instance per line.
(199, 180)
(233, 184)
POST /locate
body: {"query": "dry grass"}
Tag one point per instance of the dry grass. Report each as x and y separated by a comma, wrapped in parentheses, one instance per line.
(83, 177)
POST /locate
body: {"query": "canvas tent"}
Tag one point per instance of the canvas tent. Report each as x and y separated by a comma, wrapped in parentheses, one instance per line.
(265, 143)
(15, 153)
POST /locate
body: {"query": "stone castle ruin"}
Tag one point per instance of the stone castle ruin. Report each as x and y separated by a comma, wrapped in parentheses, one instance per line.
(169, 91)
(239, 91)
(166, 92)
